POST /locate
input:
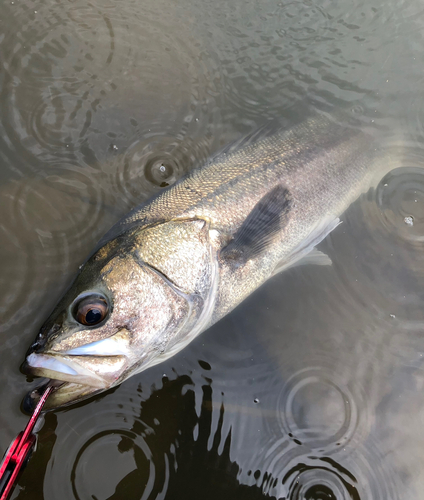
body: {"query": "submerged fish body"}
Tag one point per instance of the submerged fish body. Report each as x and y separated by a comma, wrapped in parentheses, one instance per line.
(177, 264)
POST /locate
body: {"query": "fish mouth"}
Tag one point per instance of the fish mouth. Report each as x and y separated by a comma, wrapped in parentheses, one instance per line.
(63, 368)
(64, 394)
(72, 381)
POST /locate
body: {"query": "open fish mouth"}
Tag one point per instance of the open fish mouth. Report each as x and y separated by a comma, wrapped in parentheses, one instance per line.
(71, 376)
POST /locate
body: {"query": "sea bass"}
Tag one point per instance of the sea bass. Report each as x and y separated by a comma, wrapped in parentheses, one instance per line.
(177, 264)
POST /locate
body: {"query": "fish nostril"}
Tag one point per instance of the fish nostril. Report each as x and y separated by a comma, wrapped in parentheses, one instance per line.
(39, 342)
(36, 346)
(44, 335)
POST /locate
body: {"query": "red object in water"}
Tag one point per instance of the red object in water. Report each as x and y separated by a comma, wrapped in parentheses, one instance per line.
(20, 450)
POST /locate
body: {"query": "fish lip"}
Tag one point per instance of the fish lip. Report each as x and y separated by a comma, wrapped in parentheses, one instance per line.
(33, 396)
(58, 368)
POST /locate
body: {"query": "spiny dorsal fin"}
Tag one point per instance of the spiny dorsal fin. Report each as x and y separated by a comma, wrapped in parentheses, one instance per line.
(256, 233)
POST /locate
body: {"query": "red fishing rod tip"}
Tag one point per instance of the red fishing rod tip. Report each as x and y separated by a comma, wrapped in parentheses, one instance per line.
(20, 450)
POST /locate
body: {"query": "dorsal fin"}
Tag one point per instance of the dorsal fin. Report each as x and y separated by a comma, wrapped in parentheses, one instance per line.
(263, 223)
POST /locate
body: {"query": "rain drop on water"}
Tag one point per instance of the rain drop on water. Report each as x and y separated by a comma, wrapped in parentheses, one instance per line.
(409, 221)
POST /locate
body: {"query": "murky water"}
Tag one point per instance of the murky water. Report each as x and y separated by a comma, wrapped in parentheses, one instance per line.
(313, 388)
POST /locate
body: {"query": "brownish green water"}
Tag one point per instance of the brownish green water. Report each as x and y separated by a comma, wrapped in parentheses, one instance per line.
(312, 389)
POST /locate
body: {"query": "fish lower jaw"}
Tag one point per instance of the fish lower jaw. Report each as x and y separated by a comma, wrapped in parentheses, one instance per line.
(64, 394)
(60, 369)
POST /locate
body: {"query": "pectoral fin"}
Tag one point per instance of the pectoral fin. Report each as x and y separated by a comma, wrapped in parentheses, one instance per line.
(261, 226)
(315, 257)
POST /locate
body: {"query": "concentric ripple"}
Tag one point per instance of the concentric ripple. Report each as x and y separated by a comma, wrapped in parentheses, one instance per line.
(119, 453)
(302, 20)
(396, 204)
(295, 394)
(58, 217)
(66, 199)
(107, 92)
(400, 199)
(320, 482)
(99, 456)
(377, 478)
(151, 164)
(316, 411)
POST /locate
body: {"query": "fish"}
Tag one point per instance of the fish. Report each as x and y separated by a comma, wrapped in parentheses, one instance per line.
(180, 262)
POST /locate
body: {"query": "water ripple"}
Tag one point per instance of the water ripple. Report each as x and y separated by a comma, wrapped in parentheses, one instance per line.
(320, 482)
(400, 202)
(384, 271)
(316, 412)
(70, 111)
(303, 21)
(155, 162)
(58, 218)
(102, 453)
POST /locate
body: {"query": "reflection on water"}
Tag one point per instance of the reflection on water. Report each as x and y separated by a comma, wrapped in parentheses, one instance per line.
(313, 388)
(145, 448)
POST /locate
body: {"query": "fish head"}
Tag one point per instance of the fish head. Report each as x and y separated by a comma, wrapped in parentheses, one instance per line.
(122, 314)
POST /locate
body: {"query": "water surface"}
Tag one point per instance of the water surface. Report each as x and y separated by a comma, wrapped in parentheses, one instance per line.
(314, 387)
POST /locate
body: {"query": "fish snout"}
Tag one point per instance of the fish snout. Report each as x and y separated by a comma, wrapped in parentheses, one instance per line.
(46, 334)
(37, 346)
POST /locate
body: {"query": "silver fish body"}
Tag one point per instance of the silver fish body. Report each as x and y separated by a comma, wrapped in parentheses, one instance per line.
(177, 264)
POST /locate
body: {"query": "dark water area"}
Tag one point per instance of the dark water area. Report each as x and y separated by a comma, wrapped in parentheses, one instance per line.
(313, 388)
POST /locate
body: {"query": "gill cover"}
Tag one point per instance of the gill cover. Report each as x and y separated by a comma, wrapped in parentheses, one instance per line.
(149, 292)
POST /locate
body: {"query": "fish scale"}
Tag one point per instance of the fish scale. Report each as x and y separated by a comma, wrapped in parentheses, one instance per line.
(181, 261)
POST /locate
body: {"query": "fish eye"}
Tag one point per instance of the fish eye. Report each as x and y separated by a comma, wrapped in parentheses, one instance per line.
(91, 310)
